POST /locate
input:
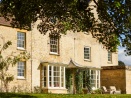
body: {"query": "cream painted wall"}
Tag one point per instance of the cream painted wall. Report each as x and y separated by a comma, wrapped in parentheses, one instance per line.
(71, 47)
(128, 81)
(10, 34)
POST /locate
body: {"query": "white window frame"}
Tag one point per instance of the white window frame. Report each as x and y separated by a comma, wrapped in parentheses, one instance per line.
(21, 40)
(54, 76)
(109, 56)
(21, 69)
(96, 78)
(87, 53)
(54, 45)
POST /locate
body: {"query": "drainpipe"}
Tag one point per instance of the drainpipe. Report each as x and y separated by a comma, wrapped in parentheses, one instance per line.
(100, 64)
(74, 48)
(0, 53)
(31, 56)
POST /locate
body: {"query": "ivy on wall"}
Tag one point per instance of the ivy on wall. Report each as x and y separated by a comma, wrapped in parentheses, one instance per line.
(78, 80)
(87, 80)
(68, 79)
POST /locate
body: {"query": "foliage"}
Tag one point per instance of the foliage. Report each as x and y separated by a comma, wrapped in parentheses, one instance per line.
(88, 82)
(6, 61)
(113, 22)
(120, 63)
(79, 81)
(19, 95)
(97, 91)
(68, 79)
(16, 95)
(37, 89)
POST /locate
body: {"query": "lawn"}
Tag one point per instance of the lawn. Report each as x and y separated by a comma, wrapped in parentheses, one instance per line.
(16, 95)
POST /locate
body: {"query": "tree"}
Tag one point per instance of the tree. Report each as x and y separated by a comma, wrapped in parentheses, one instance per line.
(6, 61)
(113, 22)
(120, 63)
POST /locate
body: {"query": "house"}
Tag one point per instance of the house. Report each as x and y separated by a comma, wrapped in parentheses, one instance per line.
(51, 55)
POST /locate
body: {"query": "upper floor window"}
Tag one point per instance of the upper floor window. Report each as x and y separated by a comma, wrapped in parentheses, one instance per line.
(87, 55)
(21, 69)
(54, 44)
(109, 56)
(21, 40)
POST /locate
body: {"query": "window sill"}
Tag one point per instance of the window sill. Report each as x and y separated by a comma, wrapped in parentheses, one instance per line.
(88, 60)
(53, 53)
(56, 88)
(109, 62)
(19, 48)
(20, 78)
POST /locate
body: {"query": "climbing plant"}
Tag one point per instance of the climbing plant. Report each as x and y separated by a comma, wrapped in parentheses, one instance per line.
(68, 79)
(79, 81)
(6, 61)
(87, 80)
(83, 77)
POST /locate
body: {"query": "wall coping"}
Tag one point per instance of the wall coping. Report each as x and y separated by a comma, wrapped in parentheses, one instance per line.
(116, 67)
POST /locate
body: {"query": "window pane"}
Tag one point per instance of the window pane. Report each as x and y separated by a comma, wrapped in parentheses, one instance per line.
(56, 76)
(109, 56)
(21, 69)
(54, 44)
(21, 39)
(86, 52)
(44, 78)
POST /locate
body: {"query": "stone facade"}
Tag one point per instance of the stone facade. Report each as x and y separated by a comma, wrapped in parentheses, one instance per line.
(10, 34)
(71, 47)
(119, 76)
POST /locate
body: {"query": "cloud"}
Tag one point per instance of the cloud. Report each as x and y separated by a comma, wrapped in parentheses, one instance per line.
(122, 57)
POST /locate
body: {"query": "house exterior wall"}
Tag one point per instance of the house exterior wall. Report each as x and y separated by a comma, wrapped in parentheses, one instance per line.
(128, 81)
(71, 47)
(38, 45)
(10, 34)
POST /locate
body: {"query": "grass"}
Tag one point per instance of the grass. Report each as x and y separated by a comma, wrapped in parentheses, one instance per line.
(17, 95)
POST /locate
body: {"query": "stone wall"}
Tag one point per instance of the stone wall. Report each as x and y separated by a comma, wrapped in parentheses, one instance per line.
(38, 45)
(71, 47)
(128, 79)
(10, 34)
(114, 76)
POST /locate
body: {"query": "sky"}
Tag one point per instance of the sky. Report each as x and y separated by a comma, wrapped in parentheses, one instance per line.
(122, 57)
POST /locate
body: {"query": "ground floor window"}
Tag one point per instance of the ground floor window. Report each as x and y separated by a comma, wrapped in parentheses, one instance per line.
(53, 76)
(21, 69)
(92, 77)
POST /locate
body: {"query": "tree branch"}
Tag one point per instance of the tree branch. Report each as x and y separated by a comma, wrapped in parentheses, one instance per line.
(95, 2)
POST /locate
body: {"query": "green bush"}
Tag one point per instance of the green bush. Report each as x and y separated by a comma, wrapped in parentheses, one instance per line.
(97, 91)
(21, 95)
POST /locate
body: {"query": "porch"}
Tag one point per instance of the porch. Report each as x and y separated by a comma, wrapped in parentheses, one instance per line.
(69, 78)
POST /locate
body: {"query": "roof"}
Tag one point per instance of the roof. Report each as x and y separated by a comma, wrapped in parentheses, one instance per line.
(4, 22)
(73, 64)
(53, 63)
